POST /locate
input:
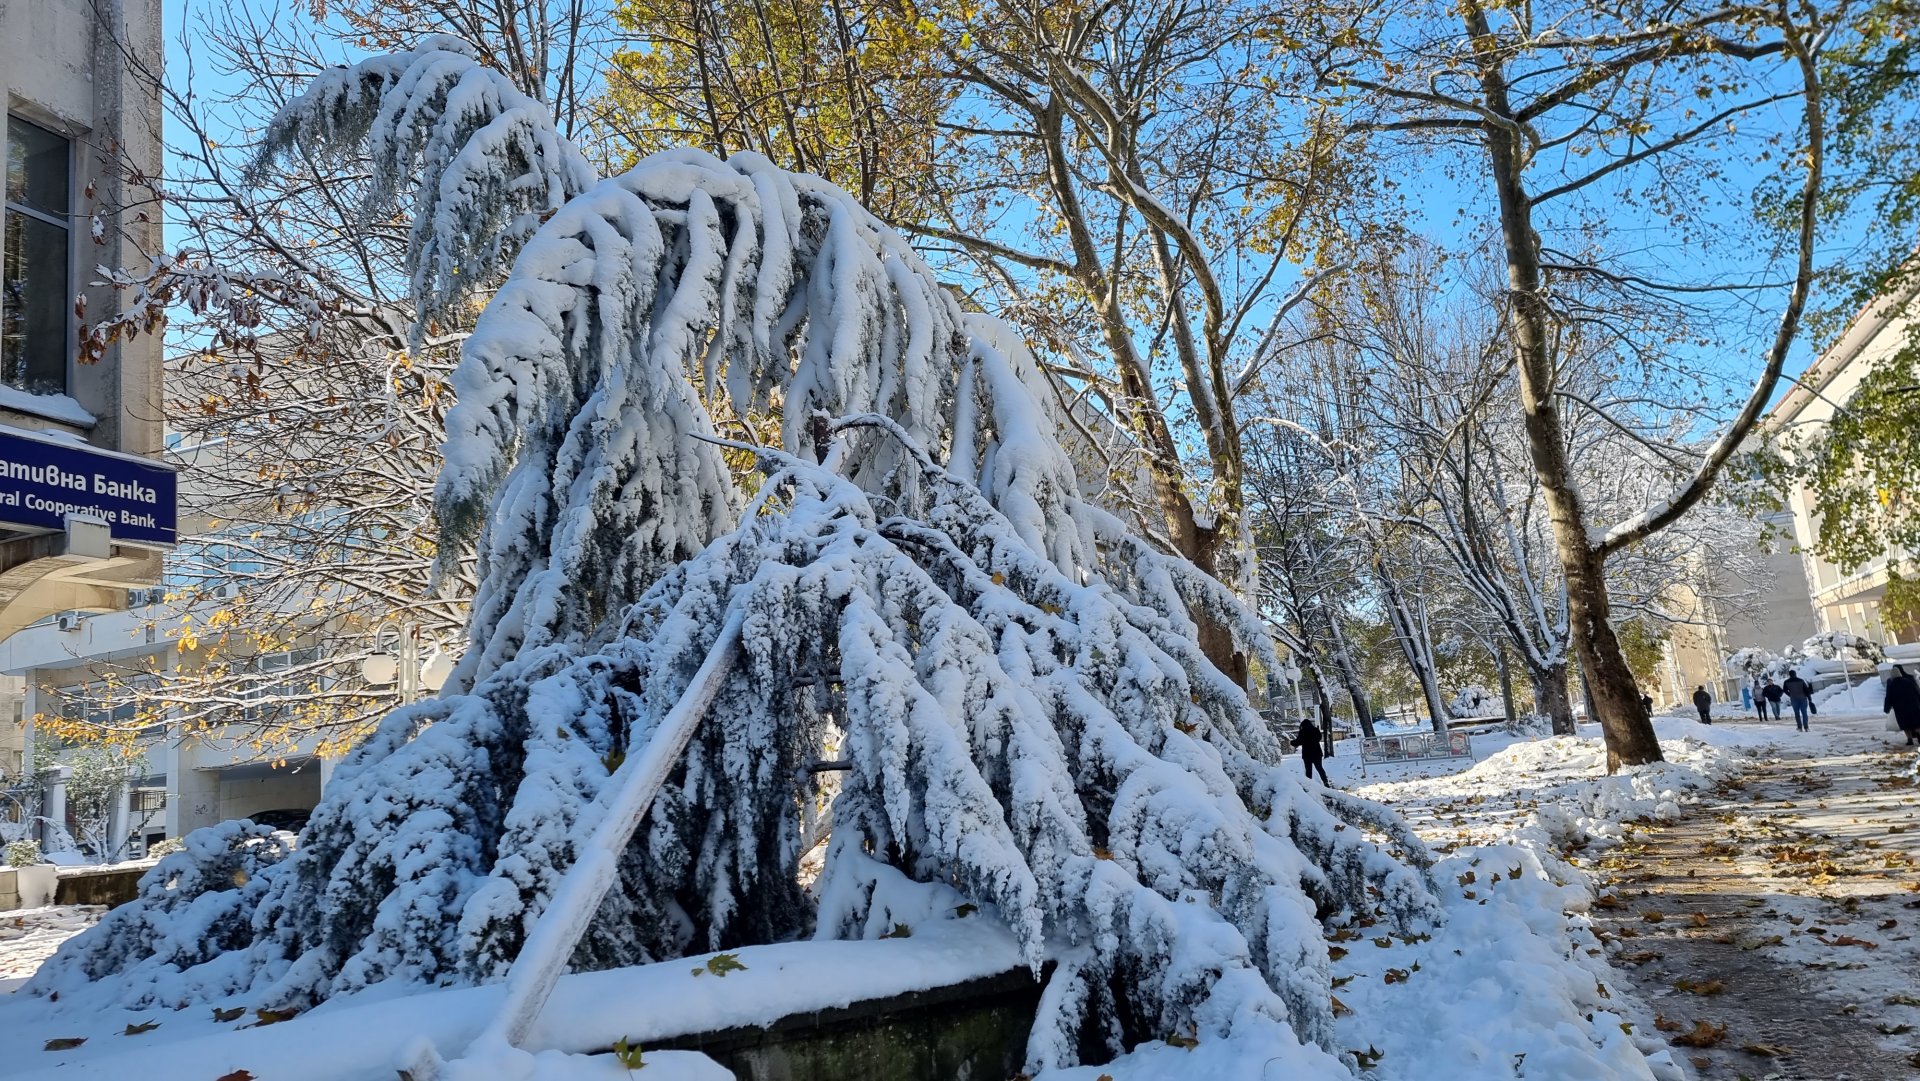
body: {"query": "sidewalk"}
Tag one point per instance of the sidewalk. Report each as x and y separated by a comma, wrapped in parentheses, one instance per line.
(1778, 923)
(1759, 893)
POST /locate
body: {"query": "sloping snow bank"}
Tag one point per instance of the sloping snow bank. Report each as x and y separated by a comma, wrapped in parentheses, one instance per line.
(1508, 986)
(1563, 782)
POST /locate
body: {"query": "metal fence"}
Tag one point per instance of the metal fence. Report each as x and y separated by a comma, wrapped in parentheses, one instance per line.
(1416, 746)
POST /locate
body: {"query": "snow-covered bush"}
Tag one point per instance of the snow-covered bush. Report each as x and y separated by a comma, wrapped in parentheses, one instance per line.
(1006, 677)
(1474, 700)
(166, 846)
(23, 853)
(1753, 663)
(1837, 645)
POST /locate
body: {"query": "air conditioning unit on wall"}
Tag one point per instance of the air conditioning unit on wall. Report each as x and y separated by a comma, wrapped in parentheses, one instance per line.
(71, 621)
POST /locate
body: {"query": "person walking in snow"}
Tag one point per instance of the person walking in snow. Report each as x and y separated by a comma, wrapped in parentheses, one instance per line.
(1772, 693)
(1800, 695)
(1760, 699)
(1308, 740)
(1903, 701)
(1703, 702)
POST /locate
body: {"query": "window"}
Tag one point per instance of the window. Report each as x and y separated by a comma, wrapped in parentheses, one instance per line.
(102, 704)
(35, 266)
(273, 694)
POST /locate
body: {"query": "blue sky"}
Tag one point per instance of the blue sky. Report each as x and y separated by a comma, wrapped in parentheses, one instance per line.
(1449, 202)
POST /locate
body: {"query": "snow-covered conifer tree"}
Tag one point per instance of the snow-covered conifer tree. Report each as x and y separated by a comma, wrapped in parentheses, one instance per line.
(1005, 679)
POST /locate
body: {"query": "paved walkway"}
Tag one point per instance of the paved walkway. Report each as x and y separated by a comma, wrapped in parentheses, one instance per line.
(1775, 929)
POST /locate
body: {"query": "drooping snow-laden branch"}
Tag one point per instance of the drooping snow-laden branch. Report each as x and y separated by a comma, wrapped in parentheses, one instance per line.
(1010, 676)
(1053, 751)
(483, 160)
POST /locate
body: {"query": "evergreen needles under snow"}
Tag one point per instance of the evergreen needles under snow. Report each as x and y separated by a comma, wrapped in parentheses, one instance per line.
(1002, 679)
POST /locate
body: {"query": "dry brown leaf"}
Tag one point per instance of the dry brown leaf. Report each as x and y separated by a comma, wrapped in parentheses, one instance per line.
(1766, 1050)
(1705, 1034)
(1849, 940)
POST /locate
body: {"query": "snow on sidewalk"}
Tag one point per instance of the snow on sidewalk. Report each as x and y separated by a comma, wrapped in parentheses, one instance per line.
(30, 936)
(1799, 889)
(1819, 830)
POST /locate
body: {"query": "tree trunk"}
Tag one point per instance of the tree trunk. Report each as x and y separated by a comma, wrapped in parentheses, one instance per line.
(1411, 632)
(1506, 681)
(1142, 414)
(1550, 698)
(1616, 696)
(1623, 721)
(1350, 676)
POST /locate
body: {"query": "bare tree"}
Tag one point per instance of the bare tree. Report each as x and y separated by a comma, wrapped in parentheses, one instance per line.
(1132, 182)
(307, 408)
(1570, 108)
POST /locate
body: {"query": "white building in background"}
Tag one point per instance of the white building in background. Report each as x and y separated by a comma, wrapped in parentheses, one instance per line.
(1695, 651)
(1841, 601)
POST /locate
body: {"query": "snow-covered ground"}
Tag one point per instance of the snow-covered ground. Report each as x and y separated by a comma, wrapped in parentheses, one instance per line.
(29, 936)
(1508, 997)
(1522, 827)
(1817, 831)
(1475, 999)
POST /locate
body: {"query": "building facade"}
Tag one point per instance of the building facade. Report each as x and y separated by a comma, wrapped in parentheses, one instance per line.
(86, 504)
(1843, 601)
(84, 515)
(187, 777)
(1775, 611)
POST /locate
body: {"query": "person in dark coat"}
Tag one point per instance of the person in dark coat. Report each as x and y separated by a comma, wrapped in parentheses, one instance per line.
(1773, 694)
(1703, 702)
(1903, 701)
(1646, 703)
(1310, 750)
(1799, 695)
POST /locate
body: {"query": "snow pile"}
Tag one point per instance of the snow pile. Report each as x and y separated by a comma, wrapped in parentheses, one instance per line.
(1474, 700)
(1863, 695)
(1571, 801)
(1493, 1003)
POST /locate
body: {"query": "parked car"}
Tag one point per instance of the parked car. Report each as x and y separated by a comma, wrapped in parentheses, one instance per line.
(292, 819)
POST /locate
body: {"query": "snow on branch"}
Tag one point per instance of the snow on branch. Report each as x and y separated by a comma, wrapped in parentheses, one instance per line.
(1009, 677)
(484, 160)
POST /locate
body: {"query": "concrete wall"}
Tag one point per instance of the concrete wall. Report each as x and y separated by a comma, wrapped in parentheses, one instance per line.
(89, 70)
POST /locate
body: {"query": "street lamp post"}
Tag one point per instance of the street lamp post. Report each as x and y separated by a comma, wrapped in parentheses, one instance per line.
(403, 666)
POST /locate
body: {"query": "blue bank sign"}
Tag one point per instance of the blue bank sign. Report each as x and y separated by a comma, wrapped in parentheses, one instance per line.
(44, 480)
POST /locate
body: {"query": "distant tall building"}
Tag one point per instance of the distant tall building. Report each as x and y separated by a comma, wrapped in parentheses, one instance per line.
(1843, 601)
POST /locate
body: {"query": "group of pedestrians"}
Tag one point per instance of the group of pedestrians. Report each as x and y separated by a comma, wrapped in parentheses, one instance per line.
(1797, 692)
(1902, 700)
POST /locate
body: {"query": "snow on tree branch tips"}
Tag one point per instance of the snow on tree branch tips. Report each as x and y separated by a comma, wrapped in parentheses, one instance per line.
(1011, 676)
